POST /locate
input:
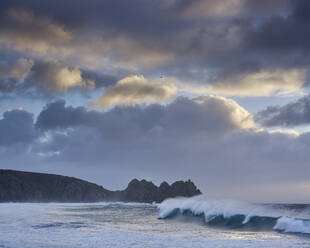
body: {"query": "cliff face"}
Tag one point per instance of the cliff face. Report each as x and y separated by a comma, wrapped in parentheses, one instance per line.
(18, 186)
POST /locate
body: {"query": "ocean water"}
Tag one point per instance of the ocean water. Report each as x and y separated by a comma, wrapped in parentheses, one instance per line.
(181, 222)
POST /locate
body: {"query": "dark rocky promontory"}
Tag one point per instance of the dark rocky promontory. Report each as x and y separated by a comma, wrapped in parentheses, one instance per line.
(19, 186)
(145, 191)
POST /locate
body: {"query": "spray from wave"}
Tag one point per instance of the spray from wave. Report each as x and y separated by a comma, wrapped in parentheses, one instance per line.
(240, 215)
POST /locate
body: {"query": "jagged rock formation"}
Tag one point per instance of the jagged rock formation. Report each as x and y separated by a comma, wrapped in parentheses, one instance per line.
(145, 191)
(19, 186)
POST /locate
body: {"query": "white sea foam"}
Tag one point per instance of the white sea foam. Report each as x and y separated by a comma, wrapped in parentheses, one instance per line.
(210, 207)
(118, 225)
(213, 208)
(291, 225)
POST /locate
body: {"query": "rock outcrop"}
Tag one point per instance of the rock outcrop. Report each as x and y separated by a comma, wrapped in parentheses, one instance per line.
(19, 186)
(145, 191)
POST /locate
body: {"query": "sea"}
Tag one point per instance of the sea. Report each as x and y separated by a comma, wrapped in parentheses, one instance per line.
(180, 222)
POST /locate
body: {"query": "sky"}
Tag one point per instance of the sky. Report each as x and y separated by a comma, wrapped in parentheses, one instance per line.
(109, 90)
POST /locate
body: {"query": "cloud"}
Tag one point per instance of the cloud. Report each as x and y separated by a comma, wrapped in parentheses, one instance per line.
(56, 115)
(136, 89)
(53, 76)
(49, 76)
(290, 115)
(24, 31)
(206, 9)
(11, 75)
(19, 70)
(282, 33)
(263, 83)
(221, 106)
(200, 115)
(290, 132)
(17, 126)
(204, 43)
(101, 80)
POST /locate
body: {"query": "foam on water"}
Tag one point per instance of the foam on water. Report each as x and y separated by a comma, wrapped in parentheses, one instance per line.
(291, 225)
(119, 225)
(236, 214)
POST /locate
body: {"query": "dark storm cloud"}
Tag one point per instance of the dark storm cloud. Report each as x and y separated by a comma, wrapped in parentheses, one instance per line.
(181, 116)
(130, 16)
(55, 77)
(277, 41)
(45, 79)
(23, 31)
(56, 115)
(98, 137)
(17, 126)
(179, 38)
(283, 34)
(7, 85)
(293, 114)
(264, 7)
(101, 80)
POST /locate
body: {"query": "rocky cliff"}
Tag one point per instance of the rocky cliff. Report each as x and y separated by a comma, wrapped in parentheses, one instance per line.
(19, 186)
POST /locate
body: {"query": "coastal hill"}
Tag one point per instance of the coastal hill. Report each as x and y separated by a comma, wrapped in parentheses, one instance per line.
(19, 186)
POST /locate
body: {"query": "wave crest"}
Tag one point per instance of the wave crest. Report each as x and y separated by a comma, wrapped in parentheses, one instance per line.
(235, 214)
(292, 225)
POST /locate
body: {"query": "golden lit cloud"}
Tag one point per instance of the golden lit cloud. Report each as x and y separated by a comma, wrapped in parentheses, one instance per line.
(264, 83)
(53, 76)
(26, 32)
(237, 115)
(136, 89)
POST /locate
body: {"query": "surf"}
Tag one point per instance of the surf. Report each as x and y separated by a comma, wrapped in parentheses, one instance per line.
(239, 215)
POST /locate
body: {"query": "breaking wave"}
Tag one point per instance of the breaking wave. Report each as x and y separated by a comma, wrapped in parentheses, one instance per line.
(240, 215)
